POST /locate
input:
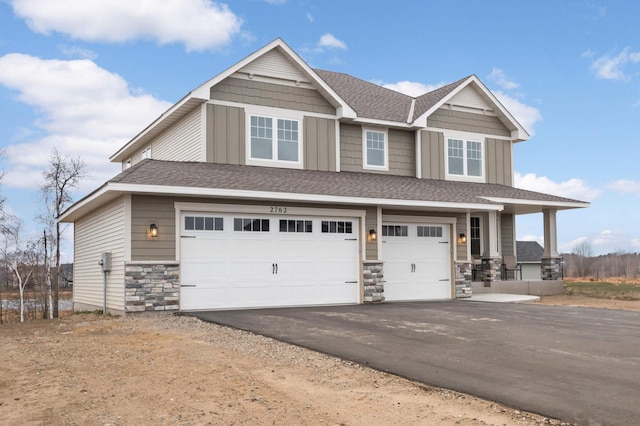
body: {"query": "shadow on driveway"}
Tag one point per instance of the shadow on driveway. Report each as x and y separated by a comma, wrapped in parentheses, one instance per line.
(579, 365)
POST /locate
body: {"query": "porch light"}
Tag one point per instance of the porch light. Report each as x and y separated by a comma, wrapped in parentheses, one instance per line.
(462, 239)
(372, 235)
(153, 230)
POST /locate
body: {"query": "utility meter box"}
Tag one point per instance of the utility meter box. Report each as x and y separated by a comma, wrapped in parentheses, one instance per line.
(105, 261)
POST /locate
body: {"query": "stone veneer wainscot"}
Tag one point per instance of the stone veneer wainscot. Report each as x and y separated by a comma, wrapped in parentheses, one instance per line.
(152, 286)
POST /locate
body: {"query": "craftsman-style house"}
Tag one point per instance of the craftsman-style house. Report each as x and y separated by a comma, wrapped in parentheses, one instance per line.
(276, 184)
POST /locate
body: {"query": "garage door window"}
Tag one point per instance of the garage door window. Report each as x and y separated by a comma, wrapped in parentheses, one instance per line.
(336, 227)
(292, 225)
(395, 231)
(203, 223)
(242, 224)
(430, 231)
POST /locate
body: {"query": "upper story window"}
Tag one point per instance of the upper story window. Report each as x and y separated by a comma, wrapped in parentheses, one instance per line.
(274, 140)
(375, 149)
(465, 158)
(146, 153)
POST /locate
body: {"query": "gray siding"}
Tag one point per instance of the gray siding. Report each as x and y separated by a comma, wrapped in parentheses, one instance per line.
(402, 151)
(432, 146)
(146, 210)
(461, 228)
(225, 135)
(371, 222)
(507, 232)
(319, 144)
(101, 231)
(499, 168)
(467, 122)
(272, 95)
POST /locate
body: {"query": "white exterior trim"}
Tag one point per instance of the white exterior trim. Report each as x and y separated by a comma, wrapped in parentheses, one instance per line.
(274, 114)
(365, 165)
(558, 204)
(270, 110)
(420, 219)
(419, 154)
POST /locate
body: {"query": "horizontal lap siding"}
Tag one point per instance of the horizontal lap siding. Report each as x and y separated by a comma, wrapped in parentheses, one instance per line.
(101, 231)
(182, 142)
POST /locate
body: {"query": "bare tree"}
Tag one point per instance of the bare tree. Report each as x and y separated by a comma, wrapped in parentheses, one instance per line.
(583, 252)
(15, 257)
(61, 176)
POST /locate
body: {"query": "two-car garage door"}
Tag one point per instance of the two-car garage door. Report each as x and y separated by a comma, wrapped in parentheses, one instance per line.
(235, 260)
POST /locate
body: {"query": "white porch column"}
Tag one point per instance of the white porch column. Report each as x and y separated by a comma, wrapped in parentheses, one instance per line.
(550, 234)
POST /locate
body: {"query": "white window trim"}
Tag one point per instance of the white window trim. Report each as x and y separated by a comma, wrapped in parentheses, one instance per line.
(274, 115)
(365, 164)
(465, 137)
(146, 153)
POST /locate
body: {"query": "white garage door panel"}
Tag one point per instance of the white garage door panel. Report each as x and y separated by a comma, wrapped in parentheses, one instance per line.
(417, 268)
(240, 269)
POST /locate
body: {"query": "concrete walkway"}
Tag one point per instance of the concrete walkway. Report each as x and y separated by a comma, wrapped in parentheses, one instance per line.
(500, 298)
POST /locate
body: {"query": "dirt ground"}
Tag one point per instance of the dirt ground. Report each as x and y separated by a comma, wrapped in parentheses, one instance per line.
(88, 369)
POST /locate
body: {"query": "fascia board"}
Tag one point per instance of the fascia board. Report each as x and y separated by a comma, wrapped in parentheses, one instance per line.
(561, 205)
(113, 189)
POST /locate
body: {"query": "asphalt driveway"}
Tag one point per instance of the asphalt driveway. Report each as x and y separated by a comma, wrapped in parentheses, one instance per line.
(580, 365)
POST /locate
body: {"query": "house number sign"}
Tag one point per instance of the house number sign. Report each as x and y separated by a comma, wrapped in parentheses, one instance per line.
(274, 209)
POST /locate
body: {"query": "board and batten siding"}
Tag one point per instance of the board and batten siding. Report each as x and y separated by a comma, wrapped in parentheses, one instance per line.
(444, 118)
(432, 155)
(225, 135)
(499, 168)
(271, 95)
(101, 231)
(146, 210)
(181, 142)
(401, 147)
(507, 234)
(319, 144)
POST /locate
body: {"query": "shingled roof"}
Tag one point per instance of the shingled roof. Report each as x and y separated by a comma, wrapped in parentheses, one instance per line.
(343, 184)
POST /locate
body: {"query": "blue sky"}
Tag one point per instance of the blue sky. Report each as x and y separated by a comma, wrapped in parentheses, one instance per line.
(85, 77)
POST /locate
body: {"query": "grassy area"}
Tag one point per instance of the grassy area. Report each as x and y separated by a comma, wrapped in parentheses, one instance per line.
(604, 290)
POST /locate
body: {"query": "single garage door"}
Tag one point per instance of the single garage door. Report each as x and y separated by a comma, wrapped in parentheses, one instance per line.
(417, 261)
(247, 261)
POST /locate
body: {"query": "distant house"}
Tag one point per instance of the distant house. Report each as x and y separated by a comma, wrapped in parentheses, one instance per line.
(277, 184)
(530, 259)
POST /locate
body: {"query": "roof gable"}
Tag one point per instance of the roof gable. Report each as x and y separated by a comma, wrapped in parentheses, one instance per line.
(275, 64)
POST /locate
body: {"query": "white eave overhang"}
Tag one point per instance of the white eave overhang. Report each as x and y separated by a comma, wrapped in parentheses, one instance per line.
(159, 125)
(520, 206)
(111, 191)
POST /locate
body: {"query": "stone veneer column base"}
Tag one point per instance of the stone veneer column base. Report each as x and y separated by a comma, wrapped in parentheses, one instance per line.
(551, 268)
(491, 270)
(464, 273)
(151, 286)
(373, 281)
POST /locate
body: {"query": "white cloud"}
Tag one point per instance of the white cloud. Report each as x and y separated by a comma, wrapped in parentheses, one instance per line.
(77, 52)
(612, 68)
(83, 110)
(526, 115)
(329, 41)
(412, 88)
(498, 76)
(310, 17)
(573, 188)
(199, 24)
(626, 186)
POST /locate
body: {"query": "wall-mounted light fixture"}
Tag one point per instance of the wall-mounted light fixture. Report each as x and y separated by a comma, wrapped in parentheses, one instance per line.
(462, 239)
(153, 230)
(372, 235)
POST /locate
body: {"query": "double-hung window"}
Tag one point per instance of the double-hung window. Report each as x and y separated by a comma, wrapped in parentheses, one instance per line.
(275, 140)
(375, 148)
(465, 158)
